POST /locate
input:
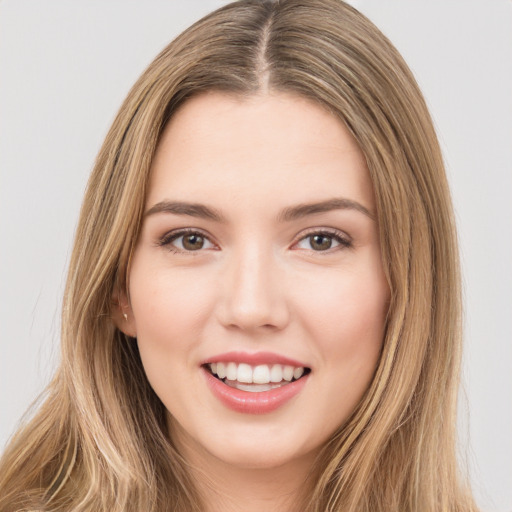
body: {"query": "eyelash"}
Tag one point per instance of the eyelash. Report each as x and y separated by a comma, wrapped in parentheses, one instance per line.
(341, 238)
(167, 239)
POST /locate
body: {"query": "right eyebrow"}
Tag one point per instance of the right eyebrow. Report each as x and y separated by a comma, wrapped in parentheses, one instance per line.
(183, 208)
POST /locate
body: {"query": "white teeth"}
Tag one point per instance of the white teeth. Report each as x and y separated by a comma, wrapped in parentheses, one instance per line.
(276, 373)
(297, 373)
(244, 373)
(231, 371)
(288, 373)
(260, 375)
(221, 370)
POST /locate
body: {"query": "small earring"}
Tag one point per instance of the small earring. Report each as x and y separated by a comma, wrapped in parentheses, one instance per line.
(125, 317)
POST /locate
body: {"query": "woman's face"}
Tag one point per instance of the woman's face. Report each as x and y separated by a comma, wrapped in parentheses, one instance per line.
(258, 263)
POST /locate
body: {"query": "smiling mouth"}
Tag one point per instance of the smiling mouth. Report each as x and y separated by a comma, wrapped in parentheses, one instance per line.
(255, 379)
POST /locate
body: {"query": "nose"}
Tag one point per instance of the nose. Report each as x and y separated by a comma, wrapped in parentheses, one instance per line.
(253, 292)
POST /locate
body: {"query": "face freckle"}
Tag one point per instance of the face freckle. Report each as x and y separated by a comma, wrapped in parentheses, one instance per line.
(259, 247)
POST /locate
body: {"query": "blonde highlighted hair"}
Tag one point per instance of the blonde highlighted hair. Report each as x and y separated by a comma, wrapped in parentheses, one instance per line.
(99, 440)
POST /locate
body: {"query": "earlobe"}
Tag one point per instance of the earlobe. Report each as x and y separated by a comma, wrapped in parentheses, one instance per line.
(122, 315)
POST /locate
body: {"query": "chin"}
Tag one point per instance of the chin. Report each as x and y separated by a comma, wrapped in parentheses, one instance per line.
(258, 457)
(248, 446)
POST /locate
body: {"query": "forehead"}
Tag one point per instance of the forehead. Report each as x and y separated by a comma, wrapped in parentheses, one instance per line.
(273, 147)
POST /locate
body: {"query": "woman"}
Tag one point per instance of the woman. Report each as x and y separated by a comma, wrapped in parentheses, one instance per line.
(262, 308)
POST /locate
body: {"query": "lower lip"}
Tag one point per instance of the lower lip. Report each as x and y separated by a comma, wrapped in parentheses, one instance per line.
(253, 403)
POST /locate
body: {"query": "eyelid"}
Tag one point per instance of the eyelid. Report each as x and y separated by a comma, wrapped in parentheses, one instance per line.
(167, 239)
(343, 238)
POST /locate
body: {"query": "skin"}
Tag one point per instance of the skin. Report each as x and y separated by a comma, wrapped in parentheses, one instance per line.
(259, 283)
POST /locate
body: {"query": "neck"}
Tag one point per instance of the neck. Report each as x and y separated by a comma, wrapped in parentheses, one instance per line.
(251, 490)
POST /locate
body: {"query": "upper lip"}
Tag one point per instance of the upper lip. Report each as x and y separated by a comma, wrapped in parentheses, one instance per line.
(253, 359)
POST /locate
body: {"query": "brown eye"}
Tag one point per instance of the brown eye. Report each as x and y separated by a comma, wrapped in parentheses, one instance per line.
(193, 242)
(320, 242)
(324, 241)
(186, 241)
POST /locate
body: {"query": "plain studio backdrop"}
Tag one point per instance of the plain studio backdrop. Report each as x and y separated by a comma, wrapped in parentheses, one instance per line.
(66, 66)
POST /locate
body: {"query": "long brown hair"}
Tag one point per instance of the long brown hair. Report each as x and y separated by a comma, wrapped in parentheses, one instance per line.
(99, 440)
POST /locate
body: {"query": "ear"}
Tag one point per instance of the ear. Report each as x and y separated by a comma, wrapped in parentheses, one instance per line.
(122, 314)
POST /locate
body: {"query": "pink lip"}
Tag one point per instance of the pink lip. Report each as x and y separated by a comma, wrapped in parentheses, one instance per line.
(253, 403)
(253, 359)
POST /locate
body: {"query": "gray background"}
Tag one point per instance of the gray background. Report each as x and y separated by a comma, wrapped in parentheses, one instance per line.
(65, 68)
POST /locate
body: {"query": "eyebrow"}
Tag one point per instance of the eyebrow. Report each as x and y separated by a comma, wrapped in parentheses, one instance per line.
(183, 208)
(340, 203)
(288, 214)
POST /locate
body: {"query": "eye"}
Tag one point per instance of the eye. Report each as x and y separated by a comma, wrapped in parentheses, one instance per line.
(322, 241)
(186, 241)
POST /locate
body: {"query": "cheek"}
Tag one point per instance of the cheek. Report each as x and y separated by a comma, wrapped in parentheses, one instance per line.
(169, 308)
(347, 302)
(345, 314)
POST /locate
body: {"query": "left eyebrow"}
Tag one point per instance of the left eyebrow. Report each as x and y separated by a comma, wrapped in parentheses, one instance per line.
(340, 203)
